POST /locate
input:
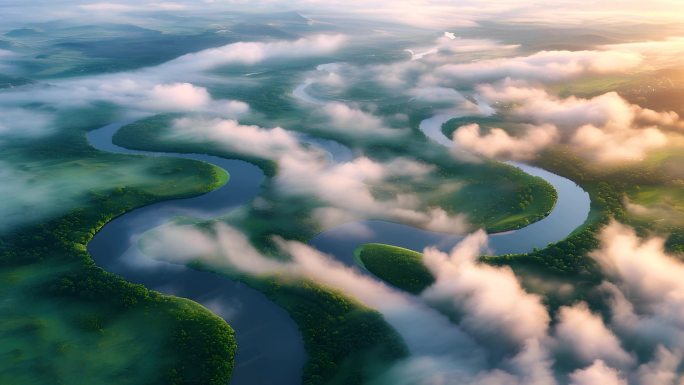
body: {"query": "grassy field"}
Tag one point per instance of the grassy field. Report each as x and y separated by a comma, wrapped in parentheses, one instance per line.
(63, 319)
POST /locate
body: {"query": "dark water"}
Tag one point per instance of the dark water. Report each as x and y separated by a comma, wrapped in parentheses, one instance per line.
(270, 347)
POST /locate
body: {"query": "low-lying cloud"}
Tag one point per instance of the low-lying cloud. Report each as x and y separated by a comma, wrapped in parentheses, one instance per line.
(169, 87)
(492, 302)
(597, 373)
(544, 66)
(588, 337)
(345, 188)
(440, 350)
(646, 294)
(348, 190)
(5, 57)
(605, 128)
(491, 298)
(138, 94)
(35, 191)
(233, 250)
(247, 53)
(22, 122)
(343, 118)
(449, 44)
(187, 97)
(353, 121)
(247, 139)
(497, 143)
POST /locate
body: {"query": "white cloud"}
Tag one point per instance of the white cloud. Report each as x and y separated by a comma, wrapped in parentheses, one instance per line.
(247, 139)
(588, 337)
(4, 55)
(440, 220)
(345, 188)
(449, 102)
(646, 293)
(534, 364)
(18, 122)
(597, 374)
(108, 7)
(356, 122)
(445, 46)
(188, 97)
(541, 66)
(605, 128)
(605, 110)
(651, 274)
(662, 370)
(341, 117)
(137, 92)
(492, 302)
(618, 144)
(178, 96)
(255, 52)
(348, 186)
(497, 143)
(659, 53)
(402, 311)
(181, 244)
(491, 298)
(164, 88)
(438, 94)
(441, 351)
(444, 14)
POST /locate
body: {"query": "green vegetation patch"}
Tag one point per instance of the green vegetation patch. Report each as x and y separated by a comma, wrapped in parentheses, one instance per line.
(402, 268)
(518, 200)
(61, 324)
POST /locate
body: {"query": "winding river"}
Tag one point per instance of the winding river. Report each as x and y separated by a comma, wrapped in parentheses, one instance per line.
(570, 211)
(270, 346)
(271, 350)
